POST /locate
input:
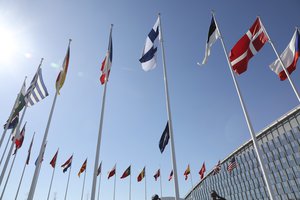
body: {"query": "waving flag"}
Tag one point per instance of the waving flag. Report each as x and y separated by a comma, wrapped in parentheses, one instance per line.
(126, 172)
(14, 122)
(148, 59)
(157, 174)
(232, 164)
(63, 73)
(20, 139)
(171, 176)
(213, 36)
(99, 169)
(141, 175)
(67, 164)
(217, 168)
(107, 62)
(37, 89)
(202, 171)
(29, 150)
(164, 139)
(53, 160)
(112, 172)
(247, 47)
(83, 167)
(187, 172)
(289, 57)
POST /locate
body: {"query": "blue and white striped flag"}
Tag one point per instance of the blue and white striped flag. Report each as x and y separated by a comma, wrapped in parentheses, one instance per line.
(148, 59)
(37, 89)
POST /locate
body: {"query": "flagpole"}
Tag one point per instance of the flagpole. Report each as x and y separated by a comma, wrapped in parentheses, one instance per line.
(160, 183)
(99, 136)
(11, 113)
(145, 185)
(169, 114)
(23, 171)
(11, 166)
(282, 65)
(6, 147)
(130, 184)
(52, 177)
(114, 197)
(68, 180)
(99, 186)
(251, 130)
(83, 184)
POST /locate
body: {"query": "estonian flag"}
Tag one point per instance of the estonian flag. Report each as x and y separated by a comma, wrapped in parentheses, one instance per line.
(213, 35)
(164, 139)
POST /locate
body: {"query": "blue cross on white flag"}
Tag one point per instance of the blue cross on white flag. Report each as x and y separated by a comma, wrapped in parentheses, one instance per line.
(148, 59)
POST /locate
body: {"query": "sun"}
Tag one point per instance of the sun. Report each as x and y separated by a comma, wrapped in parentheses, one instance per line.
(8, 44)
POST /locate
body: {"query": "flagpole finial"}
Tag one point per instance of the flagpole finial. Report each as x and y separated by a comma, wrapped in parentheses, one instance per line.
(70, 40)
(212, 11)
(111, 25)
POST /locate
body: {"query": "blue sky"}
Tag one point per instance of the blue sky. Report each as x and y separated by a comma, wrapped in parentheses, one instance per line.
(208, 122)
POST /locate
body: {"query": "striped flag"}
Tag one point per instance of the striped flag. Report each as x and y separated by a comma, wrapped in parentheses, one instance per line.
(157, 174)
(126, 172)
(141, 175)
(37, 89)
(53, 160)
(63, 73)
(202, 171)
(171, 176)
(148, 59)
(29, 151)
(107, 62)
(19, 140)
(217, 168)
(164, 139)
(232, 164)
(83, 167)
(67, 164)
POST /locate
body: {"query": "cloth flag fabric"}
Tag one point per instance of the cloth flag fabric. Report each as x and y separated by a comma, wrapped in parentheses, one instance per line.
(99, 169)
(171, 176)
(213, 36)
(14, 122)
(247, 47)
(232, 164)
(83, 167)
(37, 89)
(19, 140)
(53, 160)
(29, 150)
(60, 80)
(141, 175)
(217, 168)
(112, 172)
(289, 57)
(21, 101)
(67, 164)
(202, 171)
(36, 161)
(126, 172)
(187, 172)
(164, 139)
(107, 62)
(157, 174)
(148, 59)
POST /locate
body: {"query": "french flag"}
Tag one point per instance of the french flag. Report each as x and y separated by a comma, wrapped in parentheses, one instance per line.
(289, 57)
(107, 62)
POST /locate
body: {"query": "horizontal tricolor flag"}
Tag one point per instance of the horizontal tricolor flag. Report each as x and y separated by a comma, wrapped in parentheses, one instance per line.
(67, 164)
(141, 175)
(107, 62)
(289, 57)
(83, 167)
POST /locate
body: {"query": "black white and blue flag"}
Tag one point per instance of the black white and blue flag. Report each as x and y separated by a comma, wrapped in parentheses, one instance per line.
(37, 89)
(164, 139)
(148, 59)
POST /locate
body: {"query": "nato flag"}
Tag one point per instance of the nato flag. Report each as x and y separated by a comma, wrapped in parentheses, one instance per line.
(164, 139)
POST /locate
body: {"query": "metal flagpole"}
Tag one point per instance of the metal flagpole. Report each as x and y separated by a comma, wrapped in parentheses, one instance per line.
(5, 147)
(282, 65)
(251, 130)
(99, 137)
(114, 197)
(160, 185)
(99, 186)
(169, 114)
(145, 185)
(68, 180)
(22, 173)
(83, 184)
(7, 178)
(11, 113)
(52, 177)
(130, 184)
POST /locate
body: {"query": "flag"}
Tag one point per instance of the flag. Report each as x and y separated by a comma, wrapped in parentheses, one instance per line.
(83, 167)
(21, 101)
(126, 172)
(148, 59)
(53, 160)
(36, 161)
(232, 164)
(217, 168)
(112, 172)
(164, 139)
(63, 72)
(107, 62)
(29, 151)
(187, 172)
(213, 35)
(37, 89)
(157, 174)
(67, 164)
(141, 175)
(99, 169)
(289, 57)
(13, 123)
(247, 47)
(202, 171)
(19, 140)
(171, 175)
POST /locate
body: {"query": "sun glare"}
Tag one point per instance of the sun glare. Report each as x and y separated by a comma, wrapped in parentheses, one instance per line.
(8, 44)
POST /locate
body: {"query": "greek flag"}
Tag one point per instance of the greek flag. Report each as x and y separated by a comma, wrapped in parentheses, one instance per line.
(37, 89)
(148, 59)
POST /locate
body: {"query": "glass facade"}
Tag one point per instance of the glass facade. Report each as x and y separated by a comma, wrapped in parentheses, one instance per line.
(280, 146)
